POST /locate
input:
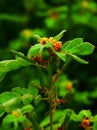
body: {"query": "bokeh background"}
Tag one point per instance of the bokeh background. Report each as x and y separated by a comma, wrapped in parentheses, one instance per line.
(19, 19)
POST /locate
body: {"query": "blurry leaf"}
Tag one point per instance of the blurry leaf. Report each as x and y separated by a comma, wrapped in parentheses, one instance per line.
(1, 110)
(27, 108)
(21, 118)
(9, 65)
(95, 126)
(78, 59)
(9, 120)
(27, 99)
(11, 104)
(2, 75)
(20, 91)
(37, 99)
(6, 96)
(59, 36)
(33, 87)
(85, 113)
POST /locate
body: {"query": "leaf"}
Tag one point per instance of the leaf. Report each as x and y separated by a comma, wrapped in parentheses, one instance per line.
(9, 65)
(2, 75)
(27, 99)
(27, 108)
(20, 91)
(85, 113)
(71, 44)
(78, 59)
(9, 120)
(82, 49)
(58, 37)
(33, 87)
(1, 110)
(34, 50)
(37, 100)
(11, 104)
(61, 55)
(95, 126)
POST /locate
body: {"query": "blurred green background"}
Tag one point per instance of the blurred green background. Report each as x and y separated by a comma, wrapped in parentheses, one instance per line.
(19, 19)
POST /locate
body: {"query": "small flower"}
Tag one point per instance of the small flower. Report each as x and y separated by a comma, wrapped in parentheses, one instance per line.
(85, 123)
(43, 40)
(85, 4)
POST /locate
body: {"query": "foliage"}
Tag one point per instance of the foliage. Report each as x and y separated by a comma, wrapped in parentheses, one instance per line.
(19, 104)
(75, 90)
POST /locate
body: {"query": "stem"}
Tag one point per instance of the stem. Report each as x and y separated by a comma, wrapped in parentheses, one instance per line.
(51, 94)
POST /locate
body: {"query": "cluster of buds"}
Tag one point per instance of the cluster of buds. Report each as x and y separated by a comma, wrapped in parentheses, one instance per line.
(39, 59)
(57, 45)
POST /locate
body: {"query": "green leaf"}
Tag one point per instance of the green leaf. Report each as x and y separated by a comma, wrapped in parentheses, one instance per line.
(33, 87)
(95, 126)
(27, 108)
(27, 99)
(71, 44)
(11, 104)
(20, 91)
(61, 55)
(9, 65)
(78, 59)
(1, 110)
(82, 49)
(35, 50)
(37, 99)
(58, 37)
(85, 113)
(9, 120)
(2, 75)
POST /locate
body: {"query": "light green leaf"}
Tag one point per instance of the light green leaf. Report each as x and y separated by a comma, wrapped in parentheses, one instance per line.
(78, 59)
(61, 55)
(35, 50)
(71, 44)
(9, 65)
(27, 108)
(82, 49)
(27, 99)
(85, 113)
(9, 120)
(58, 37)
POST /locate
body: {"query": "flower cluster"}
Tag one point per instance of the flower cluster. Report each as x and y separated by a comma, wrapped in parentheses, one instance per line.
(57, 45)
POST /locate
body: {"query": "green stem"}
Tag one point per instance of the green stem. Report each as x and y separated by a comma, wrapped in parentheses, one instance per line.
(51, 94)
(40, 76)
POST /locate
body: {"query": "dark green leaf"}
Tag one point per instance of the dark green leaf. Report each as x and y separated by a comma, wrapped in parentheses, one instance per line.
(2, 75)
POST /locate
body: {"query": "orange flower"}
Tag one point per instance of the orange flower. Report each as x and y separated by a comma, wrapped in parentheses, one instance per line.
(85, 123)
(15, 113)
(43, 40)
(57, 45)
(85, 4)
